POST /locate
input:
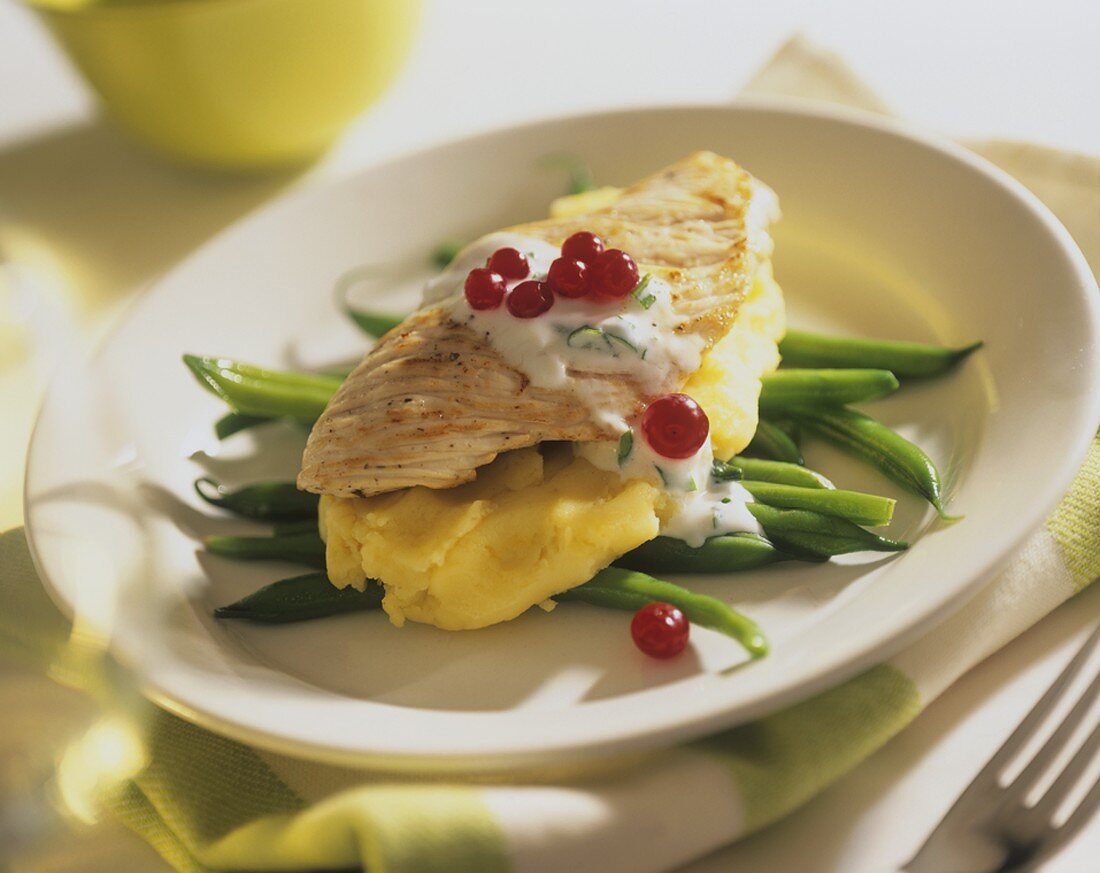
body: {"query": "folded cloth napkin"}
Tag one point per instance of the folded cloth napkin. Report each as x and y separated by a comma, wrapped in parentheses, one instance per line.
(208, 803)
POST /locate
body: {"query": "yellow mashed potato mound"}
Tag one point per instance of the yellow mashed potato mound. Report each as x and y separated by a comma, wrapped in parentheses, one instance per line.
(531, 525)
(535, 523)
(727, 384)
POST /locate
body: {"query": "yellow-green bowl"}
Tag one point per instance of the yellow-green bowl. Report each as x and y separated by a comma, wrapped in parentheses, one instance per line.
(234, 83)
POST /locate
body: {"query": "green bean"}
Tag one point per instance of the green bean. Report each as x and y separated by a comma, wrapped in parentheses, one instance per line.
(234, 422)
(261, 393)
(616, 588)
(302, 598)
(444, 253)
(814, 536)
(264, 501)
(760, 470)
(289, 528)
(772, 443)
(720, 554)
(299, 548)
(791, 428)
(858, 508)
(375, 324)
(906, 360)
(786, 388)
(723, 471)
(890, 452)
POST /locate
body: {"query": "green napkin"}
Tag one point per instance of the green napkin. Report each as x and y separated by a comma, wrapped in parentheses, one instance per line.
(208, 803)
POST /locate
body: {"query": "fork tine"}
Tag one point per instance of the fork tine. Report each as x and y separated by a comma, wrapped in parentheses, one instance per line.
(983, 807)
(1074, 770)
(1056, 838)
(1035, 768)
(1026, 728)
(1034, 718)
(1081, 815)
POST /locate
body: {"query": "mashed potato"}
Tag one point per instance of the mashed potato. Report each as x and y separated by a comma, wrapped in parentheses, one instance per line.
(727, 384)
(537, 522)
(532, 524)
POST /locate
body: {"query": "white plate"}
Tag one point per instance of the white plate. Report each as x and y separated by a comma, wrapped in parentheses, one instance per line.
(885, 233)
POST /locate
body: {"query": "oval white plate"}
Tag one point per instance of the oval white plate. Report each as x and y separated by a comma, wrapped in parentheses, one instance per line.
(885, 233)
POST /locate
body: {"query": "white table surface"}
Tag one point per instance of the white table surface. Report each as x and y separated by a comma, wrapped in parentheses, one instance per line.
(109, 219)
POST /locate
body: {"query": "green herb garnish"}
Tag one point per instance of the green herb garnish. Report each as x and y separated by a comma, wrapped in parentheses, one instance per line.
(615, 342)
(661, 473)
(645, 300)
(598, 340)
(722, 471)
(626, 446)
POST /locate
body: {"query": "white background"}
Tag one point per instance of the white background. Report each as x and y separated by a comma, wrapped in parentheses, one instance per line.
(110, 219)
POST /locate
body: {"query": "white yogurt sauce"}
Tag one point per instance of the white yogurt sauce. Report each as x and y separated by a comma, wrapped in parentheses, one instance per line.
(615, 337)
(704, 507)
(619, 336)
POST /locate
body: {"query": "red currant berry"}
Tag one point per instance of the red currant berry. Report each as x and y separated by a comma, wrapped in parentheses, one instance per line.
(613, 274)
(660, 630)
(675, 426)
(582, 246)
(484, 288)
(510, 263)
(529, 299)
(568, 278)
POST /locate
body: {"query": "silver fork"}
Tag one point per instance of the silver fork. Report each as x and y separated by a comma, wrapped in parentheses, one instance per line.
(992, 826)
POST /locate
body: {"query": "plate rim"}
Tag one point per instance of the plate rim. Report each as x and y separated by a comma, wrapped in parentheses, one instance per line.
(628, 742)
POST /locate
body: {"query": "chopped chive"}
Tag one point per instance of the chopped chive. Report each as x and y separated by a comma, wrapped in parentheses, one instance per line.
(661, 473)
(614, 341)
(644, 300)
(626, 446)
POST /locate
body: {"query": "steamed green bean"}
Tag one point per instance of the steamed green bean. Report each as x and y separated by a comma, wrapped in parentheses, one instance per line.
(855, 506)
(815, 536)
(773, 443)
(301, 598)
(783, 472)
(444, 253)
(801, 348)
(786, 388)
(375, 324)
(890, 452)
(288, 528)
(298, 548)
(234, 422)
(617, 588)
(728, 553)
(263, 501)
(261, 393)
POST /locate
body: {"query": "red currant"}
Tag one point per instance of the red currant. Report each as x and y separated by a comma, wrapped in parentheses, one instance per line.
(568, 278)
(613, 274)
(510, 263)
(529, 299)
(675, 426)
(484, 288)
(582, 246)
(660, 630)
